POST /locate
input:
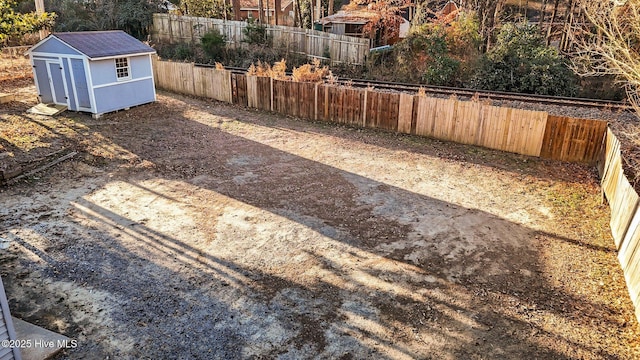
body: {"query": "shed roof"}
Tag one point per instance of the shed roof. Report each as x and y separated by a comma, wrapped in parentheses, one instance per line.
(101, 44)
(360, 17)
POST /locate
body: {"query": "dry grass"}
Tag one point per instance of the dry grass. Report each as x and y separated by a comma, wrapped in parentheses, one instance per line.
(14, 68)
(311, 72)
(277, 71)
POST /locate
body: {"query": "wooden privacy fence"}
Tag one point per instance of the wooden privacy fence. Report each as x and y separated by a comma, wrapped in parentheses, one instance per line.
(185, 78)
(315, 44)
(625, 217)
(520, 131)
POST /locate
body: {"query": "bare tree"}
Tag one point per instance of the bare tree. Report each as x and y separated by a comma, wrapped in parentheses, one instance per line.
(610, 45)
(543, 10)
(552, 20)
(489, 13)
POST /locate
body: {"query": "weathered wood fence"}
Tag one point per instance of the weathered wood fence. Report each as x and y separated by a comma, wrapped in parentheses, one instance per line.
(525, 132)
(625, 215)
(315, 44)
(185, 78)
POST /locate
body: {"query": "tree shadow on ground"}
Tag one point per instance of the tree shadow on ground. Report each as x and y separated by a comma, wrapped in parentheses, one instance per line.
(304, 260)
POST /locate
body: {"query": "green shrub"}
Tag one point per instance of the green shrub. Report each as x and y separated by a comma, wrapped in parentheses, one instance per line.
(424, 57)
(183, 51)
(213, 44)
(521, 62)
(256, 34)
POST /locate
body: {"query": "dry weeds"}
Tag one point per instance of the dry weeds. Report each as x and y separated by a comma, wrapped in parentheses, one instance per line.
(313, 72)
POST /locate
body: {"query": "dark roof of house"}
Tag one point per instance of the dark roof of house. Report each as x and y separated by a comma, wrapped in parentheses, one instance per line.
(99, 44)
(361, 16)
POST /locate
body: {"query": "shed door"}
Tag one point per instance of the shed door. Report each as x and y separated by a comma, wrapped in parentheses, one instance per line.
(82, 90)
(57, 82)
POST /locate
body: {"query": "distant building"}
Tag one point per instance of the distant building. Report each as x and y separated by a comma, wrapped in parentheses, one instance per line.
(250, 9)
(352, 23)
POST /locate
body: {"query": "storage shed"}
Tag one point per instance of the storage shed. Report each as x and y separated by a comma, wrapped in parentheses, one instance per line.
(93, 71)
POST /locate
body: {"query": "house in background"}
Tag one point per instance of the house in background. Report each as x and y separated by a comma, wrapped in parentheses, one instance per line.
(352, 23)
(250, 9)
(93, 71)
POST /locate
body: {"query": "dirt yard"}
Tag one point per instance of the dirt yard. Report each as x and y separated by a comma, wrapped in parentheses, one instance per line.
(196, 230)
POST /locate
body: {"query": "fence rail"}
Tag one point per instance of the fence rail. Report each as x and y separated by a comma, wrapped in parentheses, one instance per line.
(315, 44)
(525, 132)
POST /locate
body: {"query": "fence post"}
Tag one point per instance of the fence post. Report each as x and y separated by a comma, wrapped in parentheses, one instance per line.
(315, 102)
(364, 110)
(228, 76)
(271, 94)
(326, 103)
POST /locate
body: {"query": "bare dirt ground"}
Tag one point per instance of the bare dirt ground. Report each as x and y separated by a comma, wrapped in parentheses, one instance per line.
(193, 229)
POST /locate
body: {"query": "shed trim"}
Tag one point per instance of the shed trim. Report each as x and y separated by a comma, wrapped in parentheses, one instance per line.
(73, 83)
(155, 95)
(92, 94)
(56, 55)
(122, 82)
(119, 56)
(30, 51)
(33, 65)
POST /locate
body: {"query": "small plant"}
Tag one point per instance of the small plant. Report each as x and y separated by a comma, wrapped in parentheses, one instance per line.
(278, 70)
(256, 34)
(183, 52)
(332, 79)
(262, 69)
(213, 44)
(326, 53)
(252, 70)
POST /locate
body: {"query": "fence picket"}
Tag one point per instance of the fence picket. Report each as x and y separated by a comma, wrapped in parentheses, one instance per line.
(169, 28)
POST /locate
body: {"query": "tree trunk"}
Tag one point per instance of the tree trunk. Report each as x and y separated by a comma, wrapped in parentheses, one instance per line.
(568, 21)
(311, 13)
(553, 18)
(277, 8)
(268, 14)
(297, 16)
(236, 9)
(331, 5)
(40, 10)
(543, 11)
(260, 12)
